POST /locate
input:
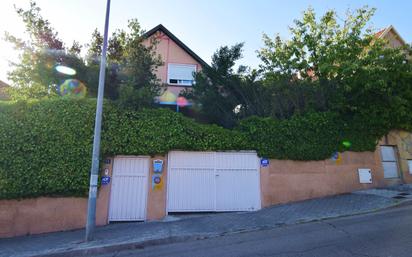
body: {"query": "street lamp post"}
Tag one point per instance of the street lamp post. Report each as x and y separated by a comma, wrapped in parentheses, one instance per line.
(91, 207)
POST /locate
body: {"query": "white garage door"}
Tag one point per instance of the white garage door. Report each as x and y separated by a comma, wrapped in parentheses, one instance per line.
(213, 181)
(128, 195)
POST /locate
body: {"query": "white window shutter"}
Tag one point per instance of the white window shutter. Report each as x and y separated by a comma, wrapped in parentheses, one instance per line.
(181, 72)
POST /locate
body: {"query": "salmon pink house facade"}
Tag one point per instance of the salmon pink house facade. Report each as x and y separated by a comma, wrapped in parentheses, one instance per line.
(391, 35)
(179, 61)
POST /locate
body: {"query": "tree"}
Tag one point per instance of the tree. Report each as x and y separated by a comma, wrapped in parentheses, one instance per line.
(327, 65)
(322, 48)
(225, 95)
(130, 70)
(34, 75)
(365, 77)
(131, 79)
(139, 83)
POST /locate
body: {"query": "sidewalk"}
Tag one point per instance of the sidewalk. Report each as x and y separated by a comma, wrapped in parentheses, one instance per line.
(135, 235)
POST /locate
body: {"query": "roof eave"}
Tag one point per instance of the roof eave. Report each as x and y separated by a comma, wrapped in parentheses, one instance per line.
(389, 28)
(177, 41)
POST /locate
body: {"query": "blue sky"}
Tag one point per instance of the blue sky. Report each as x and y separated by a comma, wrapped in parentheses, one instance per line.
(201, 25)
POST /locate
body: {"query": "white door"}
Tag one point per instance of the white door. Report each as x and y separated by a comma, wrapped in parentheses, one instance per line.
(128, 197)
(213, 181)
(389, 163)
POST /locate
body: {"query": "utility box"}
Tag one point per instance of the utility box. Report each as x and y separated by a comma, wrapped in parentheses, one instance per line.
(365, 176)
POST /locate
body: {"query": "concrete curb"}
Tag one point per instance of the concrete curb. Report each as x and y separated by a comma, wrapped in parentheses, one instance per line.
(110, 248)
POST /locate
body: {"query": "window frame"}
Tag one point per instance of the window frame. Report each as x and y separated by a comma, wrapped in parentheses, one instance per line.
(181, 82)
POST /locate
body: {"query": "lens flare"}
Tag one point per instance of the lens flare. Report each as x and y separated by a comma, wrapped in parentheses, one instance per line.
(346, 143)
(73, 88)
(167, 98)
(65, 70)
(182, 102)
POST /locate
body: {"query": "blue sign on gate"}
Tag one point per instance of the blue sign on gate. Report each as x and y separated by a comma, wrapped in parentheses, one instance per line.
(157, 166)
(264, 162)
(105, 180)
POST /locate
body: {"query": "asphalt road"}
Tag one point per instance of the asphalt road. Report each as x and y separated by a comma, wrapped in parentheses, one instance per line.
(386, 233)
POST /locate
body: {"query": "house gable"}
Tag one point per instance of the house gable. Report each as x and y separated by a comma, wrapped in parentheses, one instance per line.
(392, 36)
(174, 53)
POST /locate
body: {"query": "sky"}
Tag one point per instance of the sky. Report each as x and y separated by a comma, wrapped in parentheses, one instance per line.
(203, 26)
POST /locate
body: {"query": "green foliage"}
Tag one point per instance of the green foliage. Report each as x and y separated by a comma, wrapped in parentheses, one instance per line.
(130, 70)
(139, 85)
(311, 137)
(322, 47)
(365, 75)
(45, 148)
(34, 76)
(46, 145)
(131, 79)
(157, 131)
(226, 96)
(326, 65)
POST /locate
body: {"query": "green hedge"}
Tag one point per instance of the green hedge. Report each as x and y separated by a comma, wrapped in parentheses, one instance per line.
(45, 146)
(311, 137)
(314, 136)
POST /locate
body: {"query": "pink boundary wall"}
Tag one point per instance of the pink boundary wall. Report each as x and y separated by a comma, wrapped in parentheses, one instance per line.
(45, 214)
(49, 214)
(281, 182)
(286, 181)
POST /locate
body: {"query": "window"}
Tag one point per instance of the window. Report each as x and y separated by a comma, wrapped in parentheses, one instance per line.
(389, 163)
(180, 74)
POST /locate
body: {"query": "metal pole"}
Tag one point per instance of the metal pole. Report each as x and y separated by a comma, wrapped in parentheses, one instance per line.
(91, 207)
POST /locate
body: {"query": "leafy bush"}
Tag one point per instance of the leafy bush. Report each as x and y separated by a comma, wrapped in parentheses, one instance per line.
(45, 146)
(311, 137)
(157, 131)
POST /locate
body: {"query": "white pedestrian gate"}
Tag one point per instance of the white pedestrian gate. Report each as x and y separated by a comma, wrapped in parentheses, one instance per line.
(213, 181)
(128, 196)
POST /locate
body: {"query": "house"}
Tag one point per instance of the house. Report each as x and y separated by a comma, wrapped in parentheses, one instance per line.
(391, 35)
(393, 38)
(139, 188)
(179, 61)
